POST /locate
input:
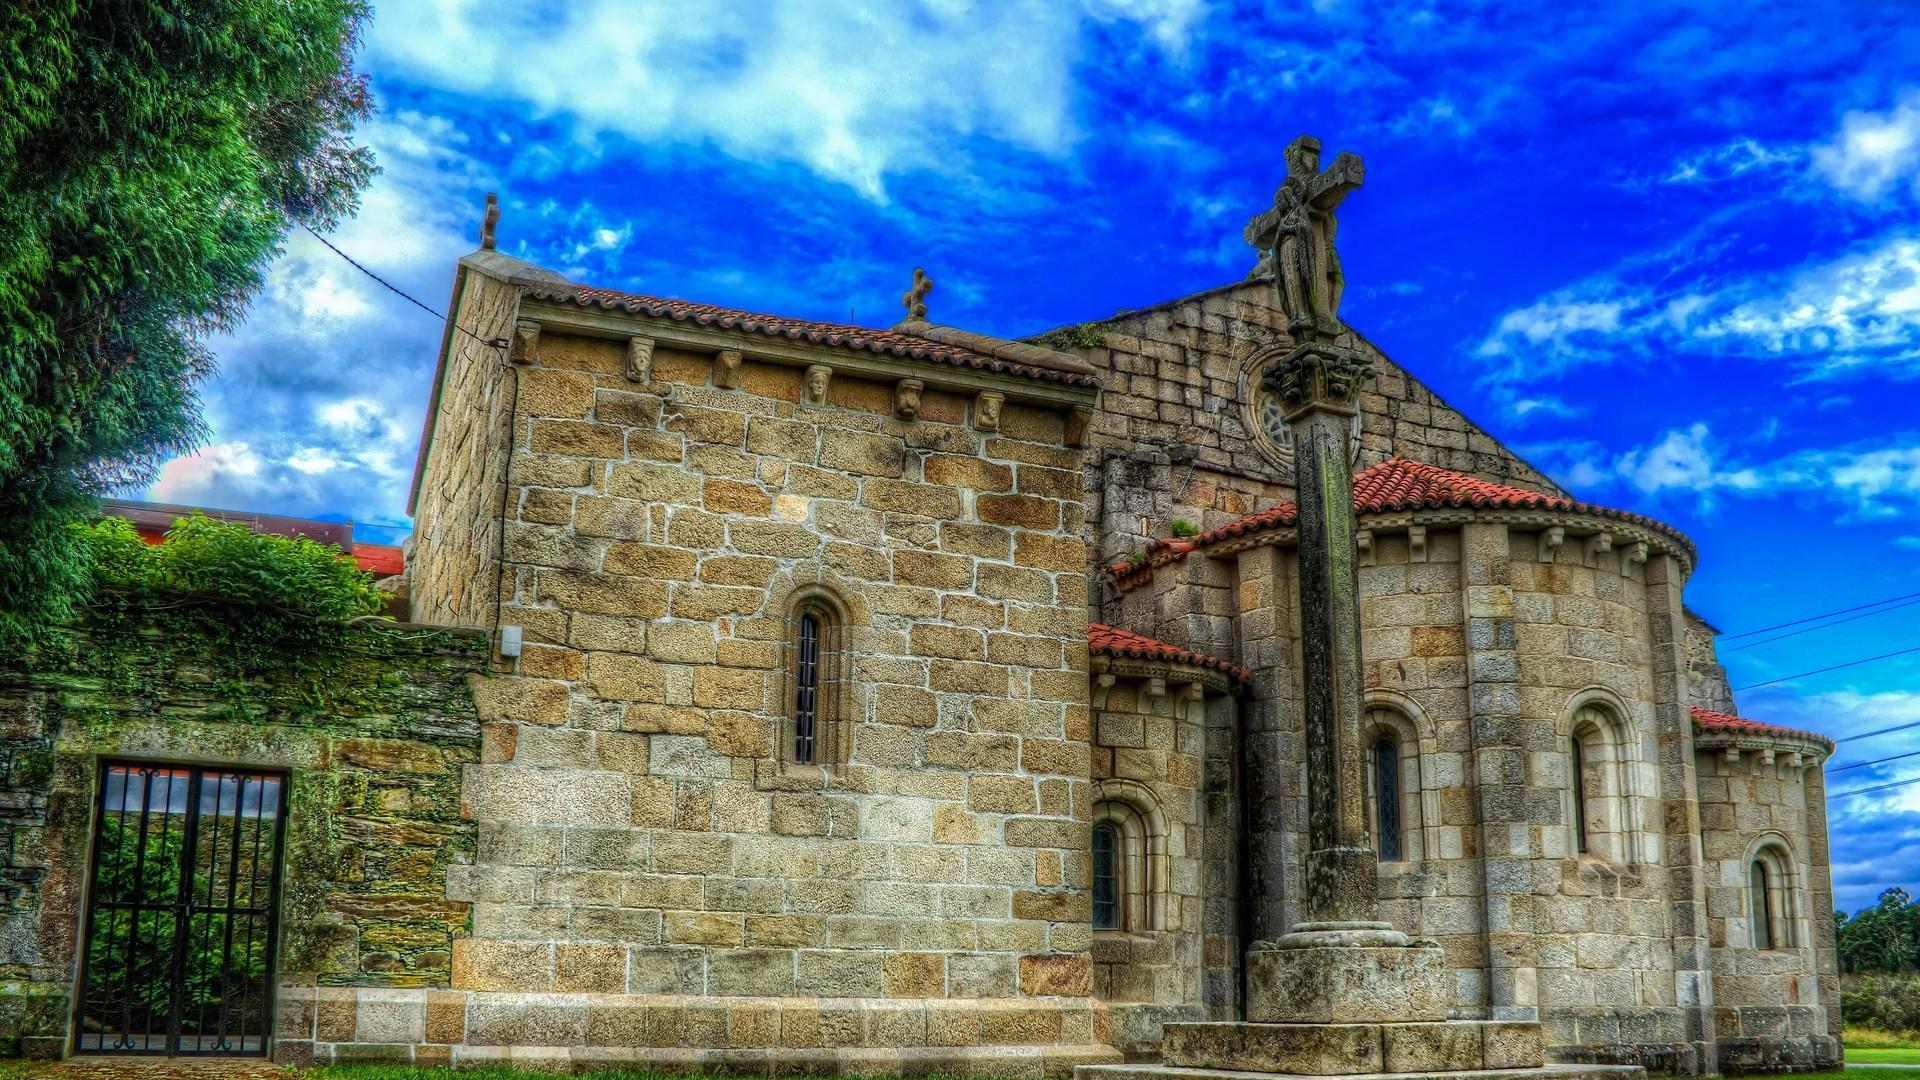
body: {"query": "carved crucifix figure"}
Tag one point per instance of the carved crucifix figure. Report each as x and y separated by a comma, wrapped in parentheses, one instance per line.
(1296, 238)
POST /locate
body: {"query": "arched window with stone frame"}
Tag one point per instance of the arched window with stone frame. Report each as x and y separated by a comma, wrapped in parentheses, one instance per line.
(1130, 868)
(814, 729)
(1772, 895)
(1395, 811)
(1600, 808)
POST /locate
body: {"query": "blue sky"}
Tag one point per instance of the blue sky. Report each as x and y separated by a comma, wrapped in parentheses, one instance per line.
(1675, 261)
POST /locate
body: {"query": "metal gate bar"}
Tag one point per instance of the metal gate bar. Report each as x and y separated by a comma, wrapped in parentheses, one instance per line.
(180, 857)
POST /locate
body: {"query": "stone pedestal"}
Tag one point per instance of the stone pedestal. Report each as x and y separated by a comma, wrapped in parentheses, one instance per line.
(1354, 1049)
(1348, 984)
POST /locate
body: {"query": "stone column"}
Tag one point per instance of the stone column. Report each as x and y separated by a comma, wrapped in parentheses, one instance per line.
(1341, 965)
(1503, 800)
(1680, 804)
(1342, 867)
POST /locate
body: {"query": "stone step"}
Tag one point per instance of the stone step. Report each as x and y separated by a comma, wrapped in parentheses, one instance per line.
(1354, 1049)
(1545, 1072)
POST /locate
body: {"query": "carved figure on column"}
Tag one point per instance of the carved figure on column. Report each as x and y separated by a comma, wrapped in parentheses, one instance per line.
(1296, 238)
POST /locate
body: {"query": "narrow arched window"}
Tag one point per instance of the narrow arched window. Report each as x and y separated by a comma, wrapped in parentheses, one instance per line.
(1579, 797)
(1386, 800)
(1760, 897)
(1106, 877)
(806, 688)
(816, 679)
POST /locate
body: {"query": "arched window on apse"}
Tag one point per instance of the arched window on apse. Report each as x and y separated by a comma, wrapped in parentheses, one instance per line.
(1393, 785)
(1130, 863)
(1599, 808)
(1771, 897)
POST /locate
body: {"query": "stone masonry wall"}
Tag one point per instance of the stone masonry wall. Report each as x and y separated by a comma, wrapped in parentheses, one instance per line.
(374, 734)
(650, 863)
(1772, 1006)
(1171, 440)
(1151, 743)
(452, 561)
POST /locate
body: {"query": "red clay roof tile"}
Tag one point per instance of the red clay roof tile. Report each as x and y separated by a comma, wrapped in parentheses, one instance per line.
(1397, 484)
(1709, 721)
(888, 342)
(1113, 641)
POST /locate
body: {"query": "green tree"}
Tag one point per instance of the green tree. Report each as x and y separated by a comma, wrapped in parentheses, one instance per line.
(1882, 938)
(153, 155)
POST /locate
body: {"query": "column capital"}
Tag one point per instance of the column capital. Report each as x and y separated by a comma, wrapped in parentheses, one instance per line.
(1319, 375)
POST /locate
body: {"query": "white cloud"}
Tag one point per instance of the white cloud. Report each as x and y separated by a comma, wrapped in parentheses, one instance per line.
(1910, 543)
(854, 96)
(1860, 310)
(1874, 152)
(193, 477)
(1730, 160)
(1867, 482)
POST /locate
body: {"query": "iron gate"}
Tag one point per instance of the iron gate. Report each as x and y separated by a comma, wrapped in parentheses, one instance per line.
(183, 912)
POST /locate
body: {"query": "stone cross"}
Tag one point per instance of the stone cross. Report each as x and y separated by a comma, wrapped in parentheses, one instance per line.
(1296, 238)
(1317, 383)
(915, 299)
(488, 222)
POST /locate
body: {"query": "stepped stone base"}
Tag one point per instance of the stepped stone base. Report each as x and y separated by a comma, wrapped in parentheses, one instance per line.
(1548, 1072)
(1041, 1038)
(1348, 984)
(1354, 1049)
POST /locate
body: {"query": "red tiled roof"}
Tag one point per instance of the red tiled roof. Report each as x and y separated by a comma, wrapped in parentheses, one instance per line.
(887, 342)
(1398, 484)
(1710, 721)
(1113, 641)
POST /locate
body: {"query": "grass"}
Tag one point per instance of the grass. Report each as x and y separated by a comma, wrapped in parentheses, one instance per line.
(1871, 1039)
(414, 1072)
(1884, 1055)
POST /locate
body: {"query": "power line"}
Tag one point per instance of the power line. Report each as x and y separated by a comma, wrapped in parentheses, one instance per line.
(1877, 787)
(1876, 761)
(1816, 618)
(1824, 626)
(1882, 731)
(1824, 670)
(496, 343)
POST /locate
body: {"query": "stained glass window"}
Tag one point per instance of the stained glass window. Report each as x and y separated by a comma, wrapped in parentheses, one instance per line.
(1106, 877)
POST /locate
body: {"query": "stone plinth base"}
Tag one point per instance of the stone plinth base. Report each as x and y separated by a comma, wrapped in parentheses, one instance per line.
(1348, 984)
(1354, 1049)
(1040, 1038)
(1549, 1072)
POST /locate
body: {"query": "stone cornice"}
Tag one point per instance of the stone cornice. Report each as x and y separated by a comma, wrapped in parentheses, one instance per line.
(1170, 672)
(1574, 523)
(694, 337)
(1811, 749)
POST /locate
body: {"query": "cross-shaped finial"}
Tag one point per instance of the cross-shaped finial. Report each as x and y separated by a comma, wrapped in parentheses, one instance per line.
(915, 299)
(487, 223)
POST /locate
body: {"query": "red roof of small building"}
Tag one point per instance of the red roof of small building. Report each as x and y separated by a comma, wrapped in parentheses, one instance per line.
(1711, 721)
(1399, 484)
(888, 342)
(152, 520)
(1113, 641)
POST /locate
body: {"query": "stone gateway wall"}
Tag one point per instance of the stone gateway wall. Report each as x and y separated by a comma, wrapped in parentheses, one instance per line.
(373, 729)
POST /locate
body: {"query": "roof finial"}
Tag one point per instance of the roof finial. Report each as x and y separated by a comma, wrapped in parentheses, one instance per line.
(487, 223)
(915, 299)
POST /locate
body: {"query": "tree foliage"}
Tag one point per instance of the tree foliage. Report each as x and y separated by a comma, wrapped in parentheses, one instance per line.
(153, 154)
(1882, 938)
(216, 559)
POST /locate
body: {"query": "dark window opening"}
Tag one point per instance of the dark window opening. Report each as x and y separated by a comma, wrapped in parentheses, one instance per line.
(1579, 798)
(1106, 881)
(1386, 799)
(1762, 906)
(806, 702)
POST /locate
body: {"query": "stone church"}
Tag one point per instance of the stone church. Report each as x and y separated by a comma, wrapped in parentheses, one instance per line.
(919, 701)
